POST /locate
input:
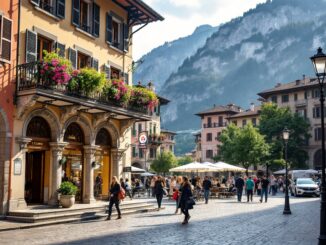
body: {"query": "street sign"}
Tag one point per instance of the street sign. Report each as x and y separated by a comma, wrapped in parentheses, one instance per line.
(127, 169)
(142, 139)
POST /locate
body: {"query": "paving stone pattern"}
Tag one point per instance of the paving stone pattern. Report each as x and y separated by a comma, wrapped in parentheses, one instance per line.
(219, 222)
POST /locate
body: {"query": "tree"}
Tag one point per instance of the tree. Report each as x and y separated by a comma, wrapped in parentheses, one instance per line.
(164, 162)
(273, 120)
(184, 160)
(245, 146)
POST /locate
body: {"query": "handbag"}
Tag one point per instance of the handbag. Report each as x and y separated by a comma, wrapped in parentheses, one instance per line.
(121, 194)
(175, 195)
(190, 202)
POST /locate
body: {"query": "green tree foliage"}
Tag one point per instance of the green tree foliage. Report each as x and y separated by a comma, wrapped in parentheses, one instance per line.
(272, 123)
(164, 162)
(184, 160)
(245, 146)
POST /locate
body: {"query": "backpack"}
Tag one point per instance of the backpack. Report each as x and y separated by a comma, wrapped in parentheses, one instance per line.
(121, 194)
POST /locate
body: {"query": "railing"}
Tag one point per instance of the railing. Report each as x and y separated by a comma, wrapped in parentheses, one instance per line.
(215, 125)
(29, 78)
(155, 140)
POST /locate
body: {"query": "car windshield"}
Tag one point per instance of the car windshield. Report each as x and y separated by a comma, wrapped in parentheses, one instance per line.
(305, 182)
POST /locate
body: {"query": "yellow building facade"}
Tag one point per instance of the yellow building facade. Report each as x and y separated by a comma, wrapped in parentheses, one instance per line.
(61, 136)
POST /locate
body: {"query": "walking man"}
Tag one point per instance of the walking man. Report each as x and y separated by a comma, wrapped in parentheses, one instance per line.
(250, 184)
(264, 188)
(207, 185)
(239, 183)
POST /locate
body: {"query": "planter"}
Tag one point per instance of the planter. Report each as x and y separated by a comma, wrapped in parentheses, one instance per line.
(67, 201)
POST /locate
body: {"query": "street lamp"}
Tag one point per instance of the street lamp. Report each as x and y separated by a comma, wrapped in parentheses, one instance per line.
(319, 63)
(286, 135)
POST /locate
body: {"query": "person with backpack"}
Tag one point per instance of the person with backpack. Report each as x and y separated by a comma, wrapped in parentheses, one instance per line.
(114, 197)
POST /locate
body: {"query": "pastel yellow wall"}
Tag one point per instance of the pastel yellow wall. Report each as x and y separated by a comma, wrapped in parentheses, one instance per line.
(67, 34)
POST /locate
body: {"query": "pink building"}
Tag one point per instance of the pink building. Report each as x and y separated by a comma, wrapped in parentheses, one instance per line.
(213, 121)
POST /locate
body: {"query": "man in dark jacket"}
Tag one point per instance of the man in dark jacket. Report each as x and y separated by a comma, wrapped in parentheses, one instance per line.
(264, 188)
(239, 183)
(207, 185)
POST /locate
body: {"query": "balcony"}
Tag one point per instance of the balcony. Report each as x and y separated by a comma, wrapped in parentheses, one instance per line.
(31, 88)
(301, 103)
(155, 140)
(215, 125)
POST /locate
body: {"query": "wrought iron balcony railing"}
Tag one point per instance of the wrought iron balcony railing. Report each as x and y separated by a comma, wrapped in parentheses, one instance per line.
(29, 78)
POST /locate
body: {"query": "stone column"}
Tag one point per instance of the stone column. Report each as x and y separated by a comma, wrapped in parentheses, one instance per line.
(17, 197)
(56, 170)
(89, 152)
(117, 163)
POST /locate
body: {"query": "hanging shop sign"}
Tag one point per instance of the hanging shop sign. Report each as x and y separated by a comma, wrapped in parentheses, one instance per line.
(143, 139)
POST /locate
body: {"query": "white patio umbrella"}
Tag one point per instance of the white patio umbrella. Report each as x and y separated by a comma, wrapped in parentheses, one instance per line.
(214, 167)
(147, 174)
(192, 167)
(135, 170)
(228, 167)
(282, 171)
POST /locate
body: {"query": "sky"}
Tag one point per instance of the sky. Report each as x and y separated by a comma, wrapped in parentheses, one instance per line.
(182, 17)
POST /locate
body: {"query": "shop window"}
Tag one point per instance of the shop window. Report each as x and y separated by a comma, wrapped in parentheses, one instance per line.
(103, 138)
(43, 44)
(38, 128)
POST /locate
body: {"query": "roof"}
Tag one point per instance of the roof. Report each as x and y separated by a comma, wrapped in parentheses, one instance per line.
(220, 109)
(290, 87)
(163, 101)
(247, 113)
(168, 131)
(138, 12)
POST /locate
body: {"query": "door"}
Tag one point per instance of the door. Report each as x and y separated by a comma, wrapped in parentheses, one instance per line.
(34, 177)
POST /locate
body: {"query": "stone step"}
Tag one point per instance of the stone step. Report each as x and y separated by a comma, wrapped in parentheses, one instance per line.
(76, 214)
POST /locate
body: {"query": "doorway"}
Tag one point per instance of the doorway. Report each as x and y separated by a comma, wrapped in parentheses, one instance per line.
(34, 177)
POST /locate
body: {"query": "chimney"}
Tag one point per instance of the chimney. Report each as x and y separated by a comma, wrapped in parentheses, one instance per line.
(252, 107)
(297, 82)
(303, 77)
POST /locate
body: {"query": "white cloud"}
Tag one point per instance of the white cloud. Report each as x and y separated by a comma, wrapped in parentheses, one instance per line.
(183, 16)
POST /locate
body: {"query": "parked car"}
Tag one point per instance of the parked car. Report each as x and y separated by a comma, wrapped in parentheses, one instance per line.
(304, 186)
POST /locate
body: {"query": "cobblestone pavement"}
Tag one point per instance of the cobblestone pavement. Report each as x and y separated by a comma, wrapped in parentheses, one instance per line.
(220, 222)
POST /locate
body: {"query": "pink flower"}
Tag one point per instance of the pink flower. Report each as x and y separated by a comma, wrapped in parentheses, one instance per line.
(55, 62)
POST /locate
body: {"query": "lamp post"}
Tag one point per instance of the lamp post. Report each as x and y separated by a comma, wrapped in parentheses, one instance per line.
(286, 135)
(319, 63)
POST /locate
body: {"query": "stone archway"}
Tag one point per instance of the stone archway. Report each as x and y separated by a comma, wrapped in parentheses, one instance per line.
(317, 159)
(4, 161)
(85, 126)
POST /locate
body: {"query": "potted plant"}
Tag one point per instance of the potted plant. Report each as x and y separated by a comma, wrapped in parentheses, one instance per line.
(117, 91)
(143, 98)
(67, 192)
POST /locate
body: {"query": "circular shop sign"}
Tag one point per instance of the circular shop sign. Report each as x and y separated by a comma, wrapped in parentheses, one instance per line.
(142, 138)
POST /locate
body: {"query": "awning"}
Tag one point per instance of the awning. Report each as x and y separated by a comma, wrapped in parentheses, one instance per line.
(191, 167)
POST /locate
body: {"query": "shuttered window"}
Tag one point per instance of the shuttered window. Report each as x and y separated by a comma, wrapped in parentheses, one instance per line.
(61, 6)
(109, 37)
(31, 46)
(54, 7)
(75, 12)
(96, 20)
(72, 55)
(5, 39)
(95, 64)
(60, 49)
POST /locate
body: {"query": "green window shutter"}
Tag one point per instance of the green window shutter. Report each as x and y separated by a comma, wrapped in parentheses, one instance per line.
(31, 46)
(6, 37)
(72, 55)
(96, 20)
(61, 6)
(125, 37)
(60, 49)
(109, 36)
(75, 12)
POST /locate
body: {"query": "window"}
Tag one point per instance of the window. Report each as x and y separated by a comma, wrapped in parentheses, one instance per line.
(141, 154)
(134, 131)
(285, 98)
(315, 93)
(82, 60)
(86, 16)
(209, 122)
(254, 121)
(302, 113)
(171, 148)
(209, 137)
(274, 99)
(218, 136)
(295, 97)
(54, 7)
(117, 32)
(5, 39)
(151, 153)
(316, 112)
(209, 154)
(115, 73)
(244, 122)
(140, 128)
(134, 152)
(317, 134)
(43, 44)
(235, 123)
(306, 94)
(220, 121)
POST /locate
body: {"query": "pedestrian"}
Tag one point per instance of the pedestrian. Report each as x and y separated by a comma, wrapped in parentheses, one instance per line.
(173, 184)
(239, 183)
(153, 180)
(98, 185)
(158, 188)
(177, 188)
(147, 186)
(250, 188)
(114, 197)
(264, 188)
(258, 183)
(186, 195)
(127, 188)
(273, 185)
(207, 185)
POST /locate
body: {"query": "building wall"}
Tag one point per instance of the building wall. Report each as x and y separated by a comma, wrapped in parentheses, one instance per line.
(67, 34)
(238, 121)
(168, 142)
(8, 9)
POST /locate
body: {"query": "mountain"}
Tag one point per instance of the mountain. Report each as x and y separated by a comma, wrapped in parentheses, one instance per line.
(162, 61)
(269, 44)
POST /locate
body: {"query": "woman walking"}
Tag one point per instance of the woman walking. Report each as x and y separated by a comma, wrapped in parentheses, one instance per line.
(186, 195)
(158, 189)
(114, 197)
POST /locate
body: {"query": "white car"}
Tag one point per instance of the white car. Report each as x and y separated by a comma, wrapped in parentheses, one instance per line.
(304, 186)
